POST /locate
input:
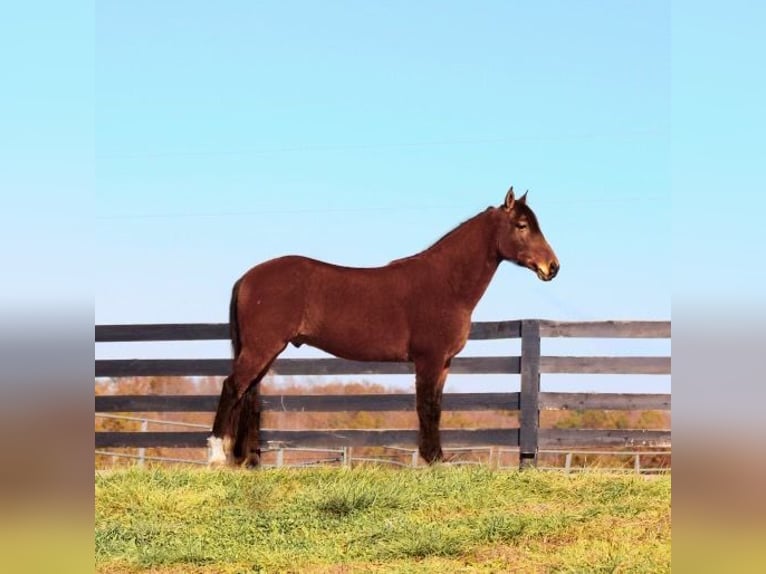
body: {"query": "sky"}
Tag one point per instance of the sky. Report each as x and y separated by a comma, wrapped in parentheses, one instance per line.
(358, 133)
(216, 137)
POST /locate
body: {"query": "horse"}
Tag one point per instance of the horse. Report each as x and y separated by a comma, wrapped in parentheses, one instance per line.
(415, 309)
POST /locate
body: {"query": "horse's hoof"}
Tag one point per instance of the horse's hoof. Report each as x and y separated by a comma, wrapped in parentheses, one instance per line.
(432, 456)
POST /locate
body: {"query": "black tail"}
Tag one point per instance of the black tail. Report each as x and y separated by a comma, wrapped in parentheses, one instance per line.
(236, 344)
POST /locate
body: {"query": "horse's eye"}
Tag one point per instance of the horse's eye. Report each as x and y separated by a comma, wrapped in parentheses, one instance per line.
(521, 226)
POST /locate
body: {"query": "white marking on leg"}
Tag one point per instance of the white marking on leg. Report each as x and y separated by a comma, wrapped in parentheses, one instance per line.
(216, 455)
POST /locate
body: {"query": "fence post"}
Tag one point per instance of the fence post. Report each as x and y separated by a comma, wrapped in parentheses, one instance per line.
(142, 450)
(529, 415)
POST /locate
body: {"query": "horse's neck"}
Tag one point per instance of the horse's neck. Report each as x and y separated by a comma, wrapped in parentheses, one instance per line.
(466, 259)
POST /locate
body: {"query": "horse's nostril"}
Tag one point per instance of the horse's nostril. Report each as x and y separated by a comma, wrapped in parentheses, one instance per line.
(554, 268)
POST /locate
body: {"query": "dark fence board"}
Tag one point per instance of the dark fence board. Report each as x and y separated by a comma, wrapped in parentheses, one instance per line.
(479, 330)
(162, 332)
(460, 365)
(606, 365)
(314, 438)
(211, 331)
(607, 401)
(495, 330)
(607, 329)
(222, 367)
(156, 403)
(553, 438)
(162, 367)
(114, 439)
(308, 403)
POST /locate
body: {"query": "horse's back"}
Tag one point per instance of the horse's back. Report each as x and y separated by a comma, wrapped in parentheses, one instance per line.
(358, 313)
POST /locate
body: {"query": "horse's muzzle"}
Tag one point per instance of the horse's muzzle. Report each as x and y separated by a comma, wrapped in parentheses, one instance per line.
(547, 272)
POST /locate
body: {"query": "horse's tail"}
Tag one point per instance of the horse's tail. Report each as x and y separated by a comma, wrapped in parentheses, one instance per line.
(236, 344)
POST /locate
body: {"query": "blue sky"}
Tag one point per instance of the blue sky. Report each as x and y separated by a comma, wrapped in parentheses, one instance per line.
(353, 132)
(360, 132)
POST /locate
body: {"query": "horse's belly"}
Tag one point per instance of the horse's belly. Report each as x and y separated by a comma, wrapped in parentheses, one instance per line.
(360, 341)
(363, 353)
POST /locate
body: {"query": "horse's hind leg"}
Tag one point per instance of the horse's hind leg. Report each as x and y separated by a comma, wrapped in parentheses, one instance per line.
(244, 424)
(429, 384)
(247, 442)
(219, 443)
(236, 403)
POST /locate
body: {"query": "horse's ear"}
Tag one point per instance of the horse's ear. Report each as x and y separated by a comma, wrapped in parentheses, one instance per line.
(509, 200)
(523, 198)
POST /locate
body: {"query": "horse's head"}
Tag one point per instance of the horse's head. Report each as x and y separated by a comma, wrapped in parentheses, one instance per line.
(520, 239)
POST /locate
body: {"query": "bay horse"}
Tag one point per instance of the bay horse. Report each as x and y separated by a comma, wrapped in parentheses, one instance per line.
(414, 309)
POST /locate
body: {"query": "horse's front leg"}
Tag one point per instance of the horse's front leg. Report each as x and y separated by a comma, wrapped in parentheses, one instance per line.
(430, 377)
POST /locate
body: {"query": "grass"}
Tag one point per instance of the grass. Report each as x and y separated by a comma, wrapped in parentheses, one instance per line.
(369, 519)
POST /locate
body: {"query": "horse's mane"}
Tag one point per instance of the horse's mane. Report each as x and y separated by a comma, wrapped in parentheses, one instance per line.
(457, 230)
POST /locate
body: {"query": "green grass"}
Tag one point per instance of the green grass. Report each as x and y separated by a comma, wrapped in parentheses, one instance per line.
(444, 519)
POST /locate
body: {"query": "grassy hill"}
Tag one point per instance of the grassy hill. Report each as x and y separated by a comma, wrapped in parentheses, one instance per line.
(443, 519)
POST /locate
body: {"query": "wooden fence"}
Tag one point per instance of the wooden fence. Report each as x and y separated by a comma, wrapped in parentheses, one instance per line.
(528, 437)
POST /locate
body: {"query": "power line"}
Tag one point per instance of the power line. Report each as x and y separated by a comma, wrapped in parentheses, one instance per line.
(303, 148)
(352, 209)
